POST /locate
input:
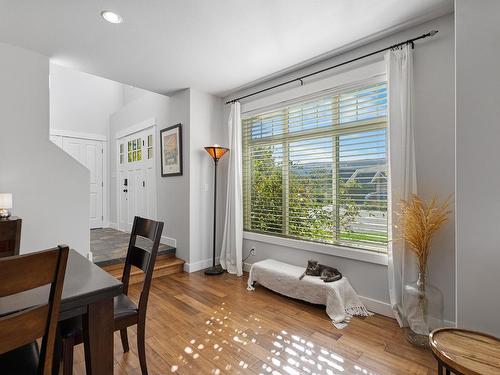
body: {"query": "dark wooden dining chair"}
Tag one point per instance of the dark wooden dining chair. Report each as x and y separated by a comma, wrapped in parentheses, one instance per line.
(126, 312)
(10, 236)
(19, 331)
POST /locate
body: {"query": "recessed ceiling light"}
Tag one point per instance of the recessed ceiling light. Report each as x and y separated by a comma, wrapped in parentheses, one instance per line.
(111, 17)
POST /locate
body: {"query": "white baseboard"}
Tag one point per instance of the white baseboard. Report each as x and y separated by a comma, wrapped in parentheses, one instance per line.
(168, 241)
(376, 306)
(200, 265)
(384, 308)
(113, 225)
(247, 266)
(450, 324)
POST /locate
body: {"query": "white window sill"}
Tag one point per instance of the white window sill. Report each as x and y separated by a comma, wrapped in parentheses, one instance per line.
(339, 251)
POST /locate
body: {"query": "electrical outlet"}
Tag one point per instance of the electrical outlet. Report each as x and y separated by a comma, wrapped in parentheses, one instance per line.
(252, 251)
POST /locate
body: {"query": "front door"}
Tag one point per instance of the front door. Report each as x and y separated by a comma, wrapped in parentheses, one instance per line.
(136, 178)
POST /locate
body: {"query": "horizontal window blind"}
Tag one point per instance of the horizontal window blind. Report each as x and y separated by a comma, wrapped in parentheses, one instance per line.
(317, 170)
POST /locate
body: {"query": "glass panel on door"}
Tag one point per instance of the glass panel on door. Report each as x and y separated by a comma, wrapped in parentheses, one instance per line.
(139, 149)
(122, 157)
(150, 146)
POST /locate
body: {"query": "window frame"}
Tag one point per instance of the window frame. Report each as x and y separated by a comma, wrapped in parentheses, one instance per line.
(317, 247)
(285, 138)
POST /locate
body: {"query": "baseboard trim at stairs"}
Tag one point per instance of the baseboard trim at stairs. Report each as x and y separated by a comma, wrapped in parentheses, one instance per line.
(164, 239)
(168, 241)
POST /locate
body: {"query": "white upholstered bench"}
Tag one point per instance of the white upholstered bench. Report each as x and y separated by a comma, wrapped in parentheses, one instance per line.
(340, 299)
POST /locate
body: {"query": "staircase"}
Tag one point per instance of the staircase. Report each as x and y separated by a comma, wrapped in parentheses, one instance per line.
(166, 264)
(109, 248)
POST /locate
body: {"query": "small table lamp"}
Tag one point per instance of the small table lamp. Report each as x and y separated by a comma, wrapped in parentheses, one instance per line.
(5, 205)
(216, 152)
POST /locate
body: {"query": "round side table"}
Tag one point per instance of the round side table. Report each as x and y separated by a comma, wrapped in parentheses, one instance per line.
(465, 352)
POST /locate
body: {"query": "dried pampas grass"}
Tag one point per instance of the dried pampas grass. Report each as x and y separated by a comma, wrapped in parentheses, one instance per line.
(419, 222)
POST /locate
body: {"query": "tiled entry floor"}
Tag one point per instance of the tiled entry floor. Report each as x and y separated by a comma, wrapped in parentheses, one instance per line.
(109, 245)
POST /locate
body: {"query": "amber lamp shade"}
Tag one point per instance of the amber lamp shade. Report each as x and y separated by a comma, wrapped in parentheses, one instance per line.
(216, 151)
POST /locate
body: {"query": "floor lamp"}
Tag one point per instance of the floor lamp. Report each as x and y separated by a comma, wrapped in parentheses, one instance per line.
(216, 152)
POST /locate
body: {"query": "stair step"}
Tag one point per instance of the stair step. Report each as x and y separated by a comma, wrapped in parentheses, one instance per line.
(166, 264)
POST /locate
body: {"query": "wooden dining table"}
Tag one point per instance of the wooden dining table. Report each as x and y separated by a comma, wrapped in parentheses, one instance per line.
(88, 292)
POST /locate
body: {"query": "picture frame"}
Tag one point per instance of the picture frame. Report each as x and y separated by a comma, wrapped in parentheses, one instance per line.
(171, 151)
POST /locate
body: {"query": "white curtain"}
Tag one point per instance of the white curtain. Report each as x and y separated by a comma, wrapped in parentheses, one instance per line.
(231, 252)
(402, 171)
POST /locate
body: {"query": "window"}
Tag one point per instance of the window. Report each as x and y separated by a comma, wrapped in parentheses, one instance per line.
(317, 170)
(134, 150)
(122, 157)
(139, 149)
(150, 146)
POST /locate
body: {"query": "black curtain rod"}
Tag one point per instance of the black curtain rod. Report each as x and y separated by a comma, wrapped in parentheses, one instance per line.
(301, 78)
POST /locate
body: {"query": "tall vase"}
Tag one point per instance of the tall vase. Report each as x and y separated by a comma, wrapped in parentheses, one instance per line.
(423, 306)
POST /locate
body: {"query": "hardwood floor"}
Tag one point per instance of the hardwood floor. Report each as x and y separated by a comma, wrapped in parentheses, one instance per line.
(213, 325)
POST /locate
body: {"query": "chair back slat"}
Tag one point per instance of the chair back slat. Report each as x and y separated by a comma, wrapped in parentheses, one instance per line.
(145, 228)
(23, 327)
(25, 272)
(139, 258)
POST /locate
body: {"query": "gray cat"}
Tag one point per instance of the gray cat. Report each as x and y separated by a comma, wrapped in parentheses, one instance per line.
(325, 273)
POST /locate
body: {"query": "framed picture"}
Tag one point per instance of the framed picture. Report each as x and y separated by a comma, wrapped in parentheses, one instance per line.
(171, 151)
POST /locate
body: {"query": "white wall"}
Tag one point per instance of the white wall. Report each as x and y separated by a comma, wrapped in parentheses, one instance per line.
(150, 105)
(172, 192)
(435, 145)
(82, 102)
(434, 124)
(85, 103)
(185, 203)
(206, 128)
(478, 153)
(131, 93)
(50, 188)
(176, 189)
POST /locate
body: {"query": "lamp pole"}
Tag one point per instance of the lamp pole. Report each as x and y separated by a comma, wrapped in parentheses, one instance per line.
(216, 152)
(216, 161)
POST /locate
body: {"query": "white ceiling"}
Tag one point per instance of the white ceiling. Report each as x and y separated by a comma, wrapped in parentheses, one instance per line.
(213, 45)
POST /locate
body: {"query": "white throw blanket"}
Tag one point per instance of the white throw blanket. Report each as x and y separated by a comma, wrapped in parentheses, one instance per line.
(340, 299)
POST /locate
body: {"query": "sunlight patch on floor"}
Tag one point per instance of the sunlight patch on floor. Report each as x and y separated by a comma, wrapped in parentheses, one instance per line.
(288, 353)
